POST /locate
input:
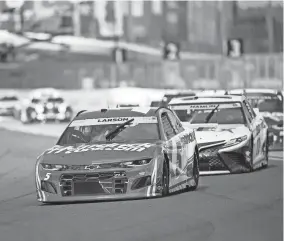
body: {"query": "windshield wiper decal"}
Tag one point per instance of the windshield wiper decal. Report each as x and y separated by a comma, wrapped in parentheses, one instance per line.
(118, 129)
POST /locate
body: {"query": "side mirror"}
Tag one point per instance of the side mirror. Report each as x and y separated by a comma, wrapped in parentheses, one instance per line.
(256, 110)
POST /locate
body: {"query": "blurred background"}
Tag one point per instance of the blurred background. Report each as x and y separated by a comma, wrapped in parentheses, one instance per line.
(152, 44)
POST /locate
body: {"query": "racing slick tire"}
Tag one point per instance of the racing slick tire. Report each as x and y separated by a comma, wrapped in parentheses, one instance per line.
(165, 179)
(195, 172)
(266, 152)
(251, 168)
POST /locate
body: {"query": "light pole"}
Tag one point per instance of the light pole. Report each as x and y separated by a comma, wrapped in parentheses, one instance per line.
(17, 6)
(270, 27)
(76, 17)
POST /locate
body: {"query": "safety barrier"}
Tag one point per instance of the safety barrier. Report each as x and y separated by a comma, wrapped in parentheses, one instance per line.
(198, 72)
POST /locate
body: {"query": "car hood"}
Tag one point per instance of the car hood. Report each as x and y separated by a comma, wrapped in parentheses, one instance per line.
(85, 154)
(213, 133)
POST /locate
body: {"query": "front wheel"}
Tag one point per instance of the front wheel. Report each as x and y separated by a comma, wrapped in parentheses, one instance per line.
(251, 168)
(195, 172)
(165, 180)
(266, 152)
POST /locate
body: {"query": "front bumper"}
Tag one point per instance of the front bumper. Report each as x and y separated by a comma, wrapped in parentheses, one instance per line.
(224, 160)
(95, 185)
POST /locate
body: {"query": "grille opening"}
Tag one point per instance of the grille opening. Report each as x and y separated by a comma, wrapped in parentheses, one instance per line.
(93, 184)
(87, 188)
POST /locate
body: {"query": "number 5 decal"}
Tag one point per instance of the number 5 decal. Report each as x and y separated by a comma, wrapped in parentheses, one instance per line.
(47, 176)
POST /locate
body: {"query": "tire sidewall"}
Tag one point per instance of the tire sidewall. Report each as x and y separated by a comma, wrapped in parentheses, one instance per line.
(196, 172)
(165, 189)
(252, 155)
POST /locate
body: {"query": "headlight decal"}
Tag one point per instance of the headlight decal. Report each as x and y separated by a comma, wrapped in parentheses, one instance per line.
(136, 163)
(236, 141)
(54, 167)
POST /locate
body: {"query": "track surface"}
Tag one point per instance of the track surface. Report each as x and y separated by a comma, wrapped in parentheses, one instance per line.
(236, 207)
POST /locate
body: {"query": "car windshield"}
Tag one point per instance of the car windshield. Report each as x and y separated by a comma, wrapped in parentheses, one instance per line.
(266, 102)
(98, 130)
(220, 113)
(8, 98)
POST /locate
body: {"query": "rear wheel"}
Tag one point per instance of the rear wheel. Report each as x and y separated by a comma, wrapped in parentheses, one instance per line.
(195, 172)
(266, 152)
(251, 168)
(165, 179)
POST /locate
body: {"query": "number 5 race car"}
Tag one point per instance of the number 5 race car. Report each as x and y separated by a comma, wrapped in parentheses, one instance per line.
(116, 154)
(231, 135)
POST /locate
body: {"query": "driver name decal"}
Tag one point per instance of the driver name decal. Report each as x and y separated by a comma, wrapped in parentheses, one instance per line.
(114, 120)
(99, 147)
(119, 119)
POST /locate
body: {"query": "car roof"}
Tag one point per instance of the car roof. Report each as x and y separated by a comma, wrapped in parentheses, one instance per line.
(119, 112)
(207, 99)
(45, 92)
(251, 91)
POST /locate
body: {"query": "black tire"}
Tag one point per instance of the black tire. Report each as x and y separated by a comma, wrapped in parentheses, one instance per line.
(266, 152)
(165, 179)
(195, 172)
(251, 169)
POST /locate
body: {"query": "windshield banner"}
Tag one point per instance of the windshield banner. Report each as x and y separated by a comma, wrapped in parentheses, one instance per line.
(114, 120)
(206, 106)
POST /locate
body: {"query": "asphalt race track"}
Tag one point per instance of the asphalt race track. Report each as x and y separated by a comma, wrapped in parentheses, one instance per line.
(225, 208)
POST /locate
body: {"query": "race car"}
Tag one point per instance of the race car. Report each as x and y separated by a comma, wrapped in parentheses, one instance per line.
(44, 105)
(119, 154)
(8, 102)
(232, 137)
(270, 104)
(169, 95)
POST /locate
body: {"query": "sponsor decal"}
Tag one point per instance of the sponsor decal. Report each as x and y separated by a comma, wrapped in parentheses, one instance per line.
(99, 147)
(206, 106)
(114, 120)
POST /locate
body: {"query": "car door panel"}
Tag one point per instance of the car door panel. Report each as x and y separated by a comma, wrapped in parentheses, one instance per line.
(186, 145)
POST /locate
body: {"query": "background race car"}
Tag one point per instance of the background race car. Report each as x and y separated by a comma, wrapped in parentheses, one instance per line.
(171, 94)
(231, 136)
(8, 102)
(116, 154)
(44, 105)
(270, 105)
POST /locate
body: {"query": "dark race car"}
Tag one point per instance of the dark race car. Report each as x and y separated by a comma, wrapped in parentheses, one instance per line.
(270, 104)
(42, 106)
(231, 136)
(117, 154)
